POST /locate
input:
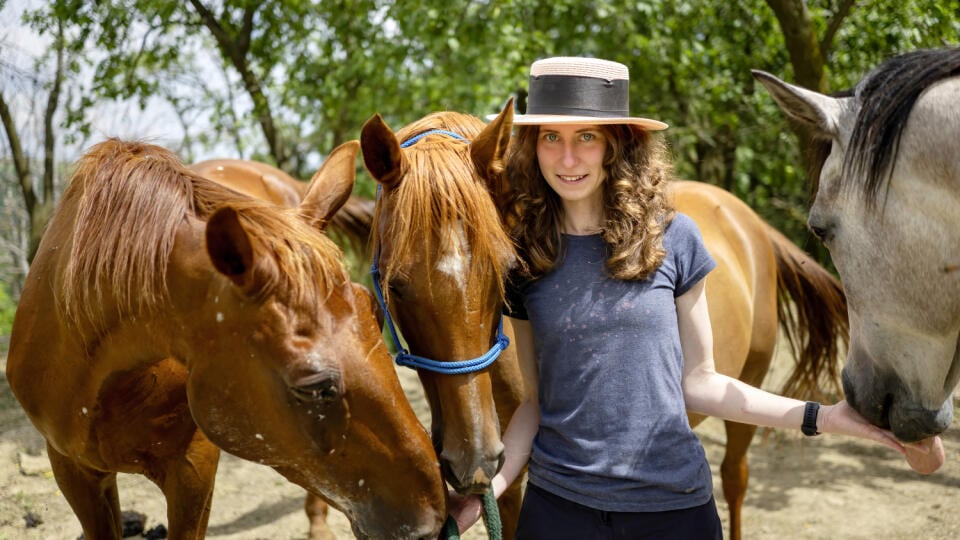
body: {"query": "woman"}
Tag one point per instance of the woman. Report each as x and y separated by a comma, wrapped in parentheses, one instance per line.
(612, 328)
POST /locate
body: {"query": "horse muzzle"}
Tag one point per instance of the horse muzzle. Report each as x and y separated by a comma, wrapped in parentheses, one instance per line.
(886, 402)
(474, 478)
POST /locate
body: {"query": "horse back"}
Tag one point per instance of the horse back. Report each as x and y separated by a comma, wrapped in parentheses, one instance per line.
(254, 179)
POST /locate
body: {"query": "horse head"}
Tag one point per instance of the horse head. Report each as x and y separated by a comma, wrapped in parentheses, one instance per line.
(441, 255)
(887, 206)
(288, 367)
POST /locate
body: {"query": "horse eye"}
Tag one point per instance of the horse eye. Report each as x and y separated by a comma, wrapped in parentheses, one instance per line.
(324, 391)
(821, 227)
(396, 288)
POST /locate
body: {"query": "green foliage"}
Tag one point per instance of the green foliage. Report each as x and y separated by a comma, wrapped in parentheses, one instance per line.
(7, 308)
(325, 67)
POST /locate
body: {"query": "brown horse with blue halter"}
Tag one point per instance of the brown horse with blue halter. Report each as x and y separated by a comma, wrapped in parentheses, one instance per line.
(440, 261)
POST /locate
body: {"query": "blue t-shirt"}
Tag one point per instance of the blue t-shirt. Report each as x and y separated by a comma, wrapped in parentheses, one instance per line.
(613, 432)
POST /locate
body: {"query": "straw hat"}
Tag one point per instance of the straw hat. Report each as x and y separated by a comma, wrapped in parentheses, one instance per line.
(575, 90)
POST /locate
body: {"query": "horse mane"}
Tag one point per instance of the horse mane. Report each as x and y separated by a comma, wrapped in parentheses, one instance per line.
(441, 191)
(886, 97)
(131, 199)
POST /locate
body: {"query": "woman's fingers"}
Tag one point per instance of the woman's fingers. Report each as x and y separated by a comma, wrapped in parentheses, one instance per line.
(925, 456)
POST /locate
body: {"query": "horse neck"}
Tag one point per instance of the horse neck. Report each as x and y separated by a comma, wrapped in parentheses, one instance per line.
(166, 326)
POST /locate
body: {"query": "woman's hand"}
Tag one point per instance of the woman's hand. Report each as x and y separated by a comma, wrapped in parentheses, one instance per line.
(843, 419)
(924, 457)
(466, 509)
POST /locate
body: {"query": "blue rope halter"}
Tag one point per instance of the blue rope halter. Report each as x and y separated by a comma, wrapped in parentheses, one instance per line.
(404, 358)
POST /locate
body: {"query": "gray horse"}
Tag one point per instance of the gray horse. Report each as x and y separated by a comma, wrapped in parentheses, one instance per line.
(888, 208)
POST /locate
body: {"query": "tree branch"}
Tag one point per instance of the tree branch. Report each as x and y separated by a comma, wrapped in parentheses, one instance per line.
(801, 40)
(20, 163)
(236, 51)
(53, 101)
(843, 11)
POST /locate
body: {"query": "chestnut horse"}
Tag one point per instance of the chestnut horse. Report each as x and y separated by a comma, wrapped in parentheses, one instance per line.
(443, 254)
(444, 257)
(166, 317)
(887, 207)
(266, 182)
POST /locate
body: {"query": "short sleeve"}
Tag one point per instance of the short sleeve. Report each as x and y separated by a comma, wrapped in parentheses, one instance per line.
(691, 259)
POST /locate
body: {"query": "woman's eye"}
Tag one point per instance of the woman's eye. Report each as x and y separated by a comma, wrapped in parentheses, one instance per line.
(588, 137)
(551, 137)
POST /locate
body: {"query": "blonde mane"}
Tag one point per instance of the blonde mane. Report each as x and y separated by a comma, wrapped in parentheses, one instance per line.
(130, 198)
(442, 192)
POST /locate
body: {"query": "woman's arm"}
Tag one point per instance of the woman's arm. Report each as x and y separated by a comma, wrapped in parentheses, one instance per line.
(517, 438)
(711, 393)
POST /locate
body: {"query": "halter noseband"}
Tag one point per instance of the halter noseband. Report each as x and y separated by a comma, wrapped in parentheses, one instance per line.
(403, 357)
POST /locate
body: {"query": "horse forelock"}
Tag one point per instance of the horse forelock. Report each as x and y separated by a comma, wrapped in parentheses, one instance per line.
(307, 265)
(885, 98)
(131, 199)
(443, 195)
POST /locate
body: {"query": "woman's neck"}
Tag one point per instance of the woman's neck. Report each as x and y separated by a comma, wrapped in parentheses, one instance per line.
(582, 217)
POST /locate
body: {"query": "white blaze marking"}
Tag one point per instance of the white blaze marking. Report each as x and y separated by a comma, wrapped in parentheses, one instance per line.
(455, 260)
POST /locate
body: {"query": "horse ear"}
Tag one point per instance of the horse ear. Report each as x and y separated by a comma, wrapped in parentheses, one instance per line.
(381, 152)
(810, 108)
(229, 247)
(489, 147)
(330, 187)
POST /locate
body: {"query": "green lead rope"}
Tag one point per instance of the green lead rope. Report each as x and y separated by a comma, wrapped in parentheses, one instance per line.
(491, 519)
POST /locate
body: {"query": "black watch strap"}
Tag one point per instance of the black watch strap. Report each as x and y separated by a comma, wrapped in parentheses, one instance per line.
(809, 426)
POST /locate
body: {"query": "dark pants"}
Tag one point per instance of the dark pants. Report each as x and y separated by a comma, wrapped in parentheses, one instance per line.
(546, 516)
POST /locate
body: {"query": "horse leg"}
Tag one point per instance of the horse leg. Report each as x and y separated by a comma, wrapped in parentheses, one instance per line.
(92, 495)
(317, 510)
(186, 480)
(735, 472)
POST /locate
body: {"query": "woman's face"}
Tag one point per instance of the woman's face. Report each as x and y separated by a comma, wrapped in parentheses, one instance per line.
(571, 160)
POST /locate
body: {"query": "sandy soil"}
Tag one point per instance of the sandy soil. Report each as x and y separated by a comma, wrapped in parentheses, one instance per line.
(821, 488)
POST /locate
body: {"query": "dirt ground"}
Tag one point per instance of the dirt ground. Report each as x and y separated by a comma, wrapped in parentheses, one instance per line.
(821, 488)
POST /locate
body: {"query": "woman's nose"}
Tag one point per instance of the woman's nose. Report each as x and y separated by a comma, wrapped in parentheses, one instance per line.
(569, 156)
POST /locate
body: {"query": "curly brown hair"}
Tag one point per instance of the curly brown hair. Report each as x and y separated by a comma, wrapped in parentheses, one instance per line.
(635, 214)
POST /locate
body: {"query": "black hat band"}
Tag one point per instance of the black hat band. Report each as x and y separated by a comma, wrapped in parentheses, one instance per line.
(571, 95)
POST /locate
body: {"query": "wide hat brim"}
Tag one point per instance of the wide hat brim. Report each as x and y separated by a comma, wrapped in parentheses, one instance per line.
(580, 91)
(540, 119)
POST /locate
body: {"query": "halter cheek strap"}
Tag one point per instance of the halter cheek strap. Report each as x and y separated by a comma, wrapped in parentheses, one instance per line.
(404, 358)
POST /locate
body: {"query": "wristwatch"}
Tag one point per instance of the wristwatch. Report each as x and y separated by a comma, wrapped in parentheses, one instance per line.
(809, 426)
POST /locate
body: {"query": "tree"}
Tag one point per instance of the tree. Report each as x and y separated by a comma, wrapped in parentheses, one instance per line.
(285, 81)
(39, 196)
